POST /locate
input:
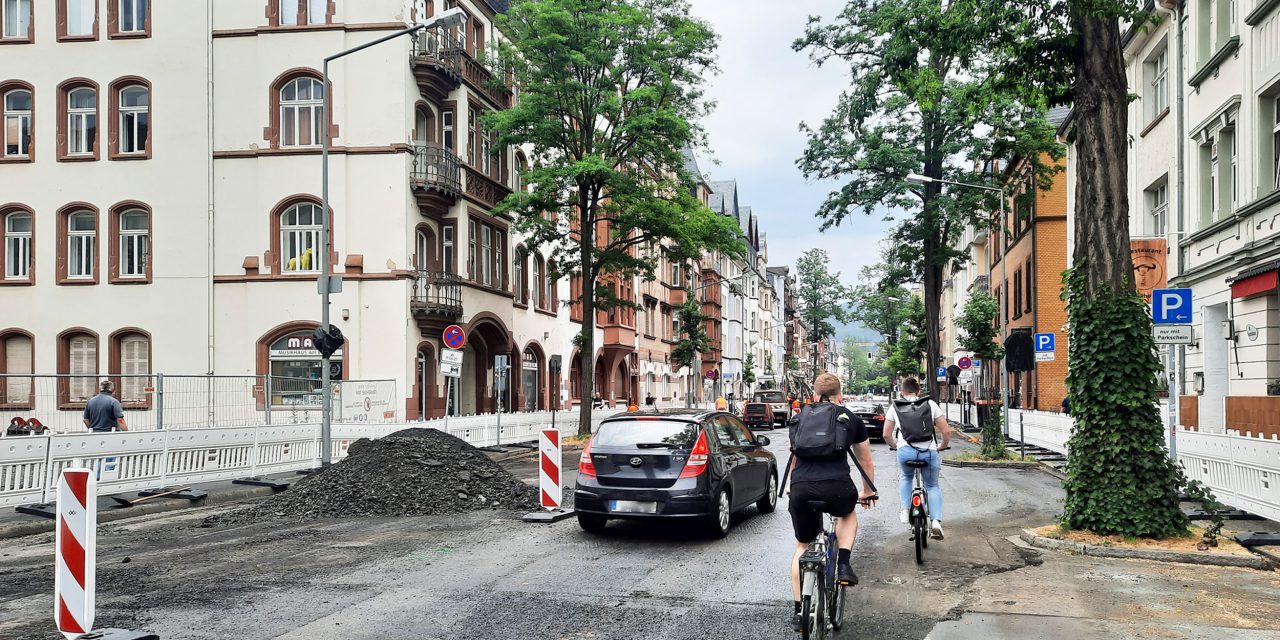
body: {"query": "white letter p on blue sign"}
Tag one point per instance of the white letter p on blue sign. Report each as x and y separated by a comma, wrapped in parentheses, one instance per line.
(1171, 306)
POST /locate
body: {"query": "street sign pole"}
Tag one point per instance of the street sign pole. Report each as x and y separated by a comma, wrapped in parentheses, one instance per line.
(1173, 403)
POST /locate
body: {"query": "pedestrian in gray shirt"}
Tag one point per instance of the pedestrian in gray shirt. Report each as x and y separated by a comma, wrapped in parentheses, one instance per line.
(103, 413)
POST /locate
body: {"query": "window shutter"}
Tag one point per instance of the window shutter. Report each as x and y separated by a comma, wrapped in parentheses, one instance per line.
(17, 351)
(133, 362)
(84, 362)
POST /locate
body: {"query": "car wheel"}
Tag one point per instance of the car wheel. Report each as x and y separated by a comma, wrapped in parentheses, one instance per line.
(592, 523)
(769, 501)
(721, 516)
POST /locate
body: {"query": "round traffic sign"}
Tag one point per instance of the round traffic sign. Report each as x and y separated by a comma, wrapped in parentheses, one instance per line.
(711, 374)
(454, 338)
(965, 362)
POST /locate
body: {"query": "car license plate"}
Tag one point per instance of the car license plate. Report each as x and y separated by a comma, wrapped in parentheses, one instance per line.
(632, 506)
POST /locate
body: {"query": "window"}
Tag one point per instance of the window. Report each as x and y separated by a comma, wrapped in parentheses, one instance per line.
(133, 16)
(17, 123)
(16, 16)
(82, 121)
(295, 365)
(77, 19)
(539, 282)
(301, 112)
(1235, 175)
(1275, 142)
(291, 13)
(16, 357)
(472, 141)
(471, 252)
(1213, 180)
(17, 246)
(448, 254)
(1158, 205)
(134, 119)
(78, 358)
(1017, 294)
(82, 244)
(300, 227)
(1027, 291)
(422, 251)
(446, 130)
(486, 255)
(1158, 86)
(522, 286)
(134, 247)
(130, 365)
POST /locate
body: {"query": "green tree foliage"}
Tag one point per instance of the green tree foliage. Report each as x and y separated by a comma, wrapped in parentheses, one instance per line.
(977, 325)
(879, 295)
(822, 298)
(865, 373)
(693, 338)
(749, 369)
(923, 102)
(909, 352)
(610, 92)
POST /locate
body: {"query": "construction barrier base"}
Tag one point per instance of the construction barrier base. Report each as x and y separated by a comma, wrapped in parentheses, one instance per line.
(186, 494)
(553, 515)
(1257, 538)
(1228, 514)
(44, 510)
(119, 634)
(278, 485)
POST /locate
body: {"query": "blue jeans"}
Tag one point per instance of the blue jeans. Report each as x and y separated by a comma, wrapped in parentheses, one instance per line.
(930, 474)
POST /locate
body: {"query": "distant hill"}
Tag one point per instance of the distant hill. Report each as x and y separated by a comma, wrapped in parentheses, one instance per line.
(858, 332)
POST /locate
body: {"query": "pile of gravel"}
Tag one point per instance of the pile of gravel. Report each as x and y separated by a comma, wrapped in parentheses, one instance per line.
(413, 472)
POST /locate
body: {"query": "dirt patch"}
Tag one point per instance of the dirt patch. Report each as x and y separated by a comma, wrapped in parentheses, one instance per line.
(413, 472)
(1186, 543)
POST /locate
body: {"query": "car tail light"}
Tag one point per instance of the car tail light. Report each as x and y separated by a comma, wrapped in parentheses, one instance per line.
(916, 500)
(586, 468)
(697, 462)
(878, 418)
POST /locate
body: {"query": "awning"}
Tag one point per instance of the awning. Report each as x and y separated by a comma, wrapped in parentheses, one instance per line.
(1253, 281)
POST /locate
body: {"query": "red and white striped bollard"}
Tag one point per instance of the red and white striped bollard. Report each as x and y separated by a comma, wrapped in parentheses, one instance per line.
(549, 468)
(75, 552)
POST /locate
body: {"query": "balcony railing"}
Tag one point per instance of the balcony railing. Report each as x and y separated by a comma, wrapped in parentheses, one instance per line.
(485, 189)
(437, 292)
(435, 167)
(437, 47)
(979, 284)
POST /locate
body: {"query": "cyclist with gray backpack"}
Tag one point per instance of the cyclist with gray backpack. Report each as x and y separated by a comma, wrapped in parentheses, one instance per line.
(823, 438)
(912, 425)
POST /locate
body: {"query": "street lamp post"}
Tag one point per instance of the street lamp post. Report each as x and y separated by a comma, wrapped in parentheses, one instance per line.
(1004, 274)
(451, 18)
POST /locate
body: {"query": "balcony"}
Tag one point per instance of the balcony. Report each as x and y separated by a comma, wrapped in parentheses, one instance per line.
(436, 178)
(980, 283)
(482, 79)
(436, 60)
(484, 189)
(435, 300)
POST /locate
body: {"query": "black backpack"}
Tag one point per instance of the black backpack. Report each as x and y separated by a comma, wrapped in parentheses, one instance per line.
(820, 431)
(915, 419)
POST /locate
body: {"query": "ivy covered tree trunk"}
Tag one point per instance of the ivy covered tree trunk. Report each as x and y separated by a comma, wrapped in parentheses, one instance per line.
(1120, 479)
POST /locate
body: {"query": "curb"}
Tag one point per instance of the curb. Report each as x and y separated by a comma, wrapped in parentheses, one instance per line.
(123, 513)
(517, 455)
(1178, 557)
(992, 464)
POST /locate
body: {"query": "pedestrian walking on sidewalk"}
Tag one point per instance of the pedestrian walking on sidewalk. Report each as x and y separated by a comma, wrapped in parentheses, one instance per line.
(103, 413)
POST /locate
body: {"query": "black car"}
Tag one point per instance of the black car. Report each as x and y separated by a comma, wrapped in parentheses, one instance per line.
(872, 414)
(678, 464)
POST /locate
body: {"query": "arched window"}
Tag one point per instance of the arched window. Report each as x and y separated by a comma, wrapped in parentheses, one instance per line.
(82, 245)
(17, 123)
(539, 282)
(522, 284)
(131, 366)
(424, 248)
(18, 235)
(301, 112)
(77, 359)
(82, 121)
(16, 357)
(134, 119)
(422, 126)
(294, 364)
(300, 227)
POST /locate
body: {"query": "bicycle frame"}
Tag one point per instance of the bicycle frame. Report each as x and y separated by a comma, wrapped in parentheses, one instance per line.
(818, 562)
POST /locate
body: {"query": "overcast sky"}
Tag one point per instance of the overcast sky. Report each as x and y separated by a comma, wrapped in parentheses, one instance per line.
(764, 90)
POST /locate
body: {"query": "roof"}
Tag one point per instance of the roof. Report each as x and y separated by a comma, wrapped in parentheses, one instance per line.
(1257, 270)
(691, 163)
(1058, 115)
(499, 6)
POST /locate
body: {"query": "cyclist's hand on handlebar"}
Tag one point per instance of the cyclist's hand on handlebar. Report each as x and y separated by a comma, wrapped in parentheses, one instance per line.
(868, 499)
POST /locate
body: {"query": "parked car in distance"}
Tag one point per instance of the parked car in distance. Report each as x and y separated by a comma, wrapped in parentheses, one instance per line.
(690, 464)
(872, 414)
(779, 407)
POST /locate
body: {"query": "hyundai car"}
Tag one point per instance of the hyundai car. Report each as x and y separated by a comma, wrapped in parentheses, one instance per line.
(674, 464)
(872, 414)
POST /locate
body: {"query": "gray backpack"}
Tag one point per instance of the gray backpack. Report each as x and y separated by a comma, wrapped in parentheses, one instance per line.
(915, 419)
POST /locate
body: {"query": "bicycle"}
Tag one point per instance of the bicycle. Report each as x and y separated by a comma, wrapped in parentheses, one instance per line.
(822, 599)
(918, 517)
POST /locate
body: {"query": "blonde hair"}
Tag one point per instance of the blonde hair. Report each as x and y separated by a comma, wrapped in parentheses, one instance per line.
(826, 384)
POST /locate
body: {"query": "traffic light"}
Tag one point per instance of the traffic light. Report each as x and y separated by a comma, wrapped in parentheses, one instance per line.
(327, 343)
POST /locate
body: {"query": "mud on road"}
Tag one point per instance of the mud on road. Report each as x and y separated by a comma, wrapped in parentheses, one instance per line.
(487, 575)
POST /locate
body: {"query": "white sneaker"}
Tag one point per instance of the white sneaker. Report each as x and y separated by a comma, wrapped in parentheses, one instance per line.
(902, 516)
(936, 529)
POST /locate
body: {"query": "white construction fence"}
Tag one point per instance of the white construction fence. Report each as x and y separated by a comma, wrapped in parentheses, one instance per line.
(140, 460)
(1242, 469)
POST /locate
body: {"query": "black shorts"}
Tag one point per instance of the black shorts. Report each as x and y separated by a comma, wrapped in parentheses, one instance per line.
(840, 495)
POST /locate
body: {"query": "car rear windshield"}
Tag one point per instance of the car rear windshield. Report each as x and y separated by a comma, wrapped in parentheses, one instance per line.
(775, 396)
(654, 433)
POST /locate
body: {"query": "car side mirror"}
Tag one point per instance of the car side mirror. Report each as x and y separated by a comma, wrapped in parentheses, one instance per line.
(762, 441)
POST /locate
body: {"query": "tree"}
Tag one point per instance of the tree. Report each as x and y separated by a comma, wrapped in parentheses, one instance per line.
(749, 370)
(977, 335)
(879, 297)
(610, 93)
(921, 102)
(911, 349)
(1120, 480)
(821, 296)
(694, 338)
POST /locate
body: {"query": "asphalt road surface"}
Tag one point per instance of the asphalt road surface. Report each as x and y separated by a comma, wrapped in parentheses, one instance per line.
(488, 575)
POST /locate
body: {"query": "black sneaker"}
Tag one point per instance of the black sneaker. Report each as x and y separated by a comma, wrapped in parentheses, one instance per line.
(797, 622)
(846, 576)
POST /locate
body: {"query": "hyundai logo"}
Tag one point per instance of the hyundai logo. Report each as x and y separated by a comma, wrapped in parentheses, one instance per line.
(636, 461)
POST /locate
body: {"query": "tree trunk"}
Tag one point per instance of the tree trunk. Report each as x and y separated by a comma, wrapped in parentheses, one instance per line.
(586, 353)
(932, 310)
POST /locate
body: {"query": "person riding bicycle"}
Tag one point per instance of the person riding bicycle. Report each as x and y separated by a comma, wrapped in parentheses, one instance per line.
(827, 478)
(912, 425)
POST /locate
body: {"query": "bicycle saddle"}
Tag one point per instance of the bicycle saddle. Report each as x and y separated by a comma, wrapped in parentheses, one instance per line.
(917, 464)
(817, 505)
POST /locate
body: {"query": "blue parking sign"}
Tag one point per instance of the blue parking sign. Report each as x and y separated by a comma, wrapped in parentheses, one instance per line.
(1171, 306)
(1044, 342)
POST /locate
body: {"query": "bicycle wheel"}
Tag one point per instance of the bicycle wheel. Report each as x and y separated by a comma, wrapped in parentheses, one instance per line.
(806, 617)
(820, 614)
(919, 535)
(836, 607)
